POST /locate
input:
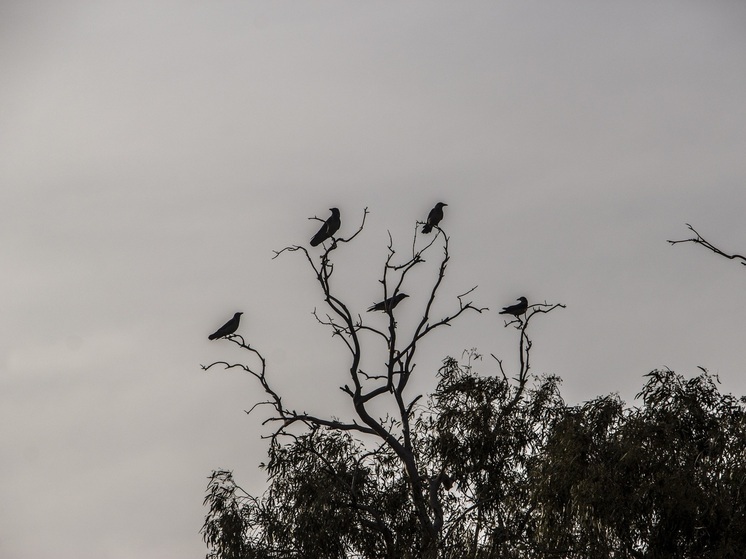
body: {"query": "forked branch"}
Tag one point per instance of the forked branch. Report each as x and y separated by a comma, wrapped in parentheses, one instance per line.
(524, 350)
(700, 240)
(281, 414)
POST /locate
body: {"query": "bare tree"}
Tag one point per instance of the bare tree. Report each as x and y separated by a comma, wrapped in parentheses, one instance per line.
(392, 435)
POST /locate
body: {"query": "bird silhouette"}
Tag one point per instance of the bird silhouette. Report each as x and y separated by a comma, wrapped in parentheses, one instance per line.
(434, 217)
(389, 303)
(328, 229)
(228, 328)
(517, 309)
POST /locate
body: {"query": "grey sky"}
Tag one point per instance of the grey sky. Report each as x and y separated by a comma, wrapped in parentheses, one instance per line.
(155, 153)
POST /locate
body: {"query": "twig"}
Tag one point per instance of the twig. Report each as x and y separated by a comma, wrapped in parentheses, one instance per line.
(700, 240)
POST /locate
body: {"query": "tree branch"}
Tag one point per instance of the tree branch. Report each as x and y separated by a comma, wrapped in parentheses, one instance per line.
(700, 240)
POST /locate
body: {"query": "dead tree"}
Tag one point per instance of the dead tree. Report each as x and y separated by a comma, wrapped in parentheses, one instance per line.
(388, 385)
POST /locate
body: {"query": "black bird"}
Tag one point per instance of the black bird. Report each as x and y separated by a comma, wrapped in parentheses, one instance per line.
(389, 303)
(518, 309)
(328, 229)
(434, 217)
(228, 328)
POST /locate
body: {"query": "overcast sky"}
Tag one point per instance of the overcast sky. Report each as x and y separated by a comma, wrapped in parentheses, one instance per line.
(153, 154)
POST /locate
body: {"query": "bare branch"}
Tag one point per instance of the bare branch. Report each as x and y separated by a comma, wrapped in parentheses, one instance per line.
(536, 308)
(286, 416)
(424, 327)
(372, 377)
(700, 240)
(500, 365)
(312, 420)
(359, 229)
(524, 351)
(415, 253)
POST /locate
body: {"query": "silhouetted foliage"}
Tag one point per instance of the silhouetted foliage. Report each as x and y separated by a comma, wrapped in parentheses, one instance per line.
(666, 479)
(533, 478)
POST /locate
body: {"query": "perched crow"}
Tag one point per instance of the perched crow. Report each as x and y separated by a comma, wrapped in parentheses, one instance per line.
(228, 328)
(389, 303)
(328, 229)
(434, 217)
(518, 309)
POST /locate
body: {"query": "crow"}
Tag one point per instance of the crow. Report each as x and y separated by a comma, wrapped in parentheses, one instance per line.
(389, 303)
(518, 309)
(228, 328)
(328, 229)
(434, 217)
